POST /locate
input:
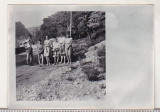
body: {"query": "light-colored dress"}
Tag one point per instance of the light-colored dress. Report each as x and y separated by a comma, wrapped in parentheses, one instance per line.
(40, 49)
(47, 45)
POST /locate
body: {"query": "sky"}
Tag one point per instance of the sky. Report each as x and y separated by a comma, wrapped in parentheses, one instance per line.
(129, 48)
(32, 15)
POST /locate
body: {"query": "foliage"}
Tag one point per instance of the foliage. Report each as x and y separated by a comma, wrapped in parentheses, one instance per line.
(35, 32)
(55, 25)
(92, 72)
(21, 31)
(84, 24)
(96, 24)
(79, 48)
(102, 61)
(101, 52)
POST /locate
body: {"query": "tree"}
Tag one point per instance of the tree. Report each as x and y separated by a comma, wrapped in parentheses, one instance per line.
(55, 25)
(96, 24)
(79, 26)
(84, 24)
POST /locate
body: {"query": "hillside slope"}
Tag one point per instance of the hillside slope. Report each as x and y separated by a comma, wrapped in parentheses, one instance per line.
(21, 33)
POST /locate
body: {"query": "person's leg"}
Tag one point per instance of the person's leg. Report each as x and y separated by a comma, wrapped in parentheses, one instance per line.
(29, 62)
(42, 60)
(70, 59)
(57, 58)
(47, 59)
(61, 59)
(30, 57)
(39, 61)
(67, 57)
(49, 55)
(45, 54)
(64, 59)
(42, 56)
(27, 58)
(54, 57)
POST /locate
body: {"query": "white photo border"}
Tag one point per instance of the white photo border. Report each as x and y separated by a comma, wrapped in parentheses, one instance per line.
(4, 41)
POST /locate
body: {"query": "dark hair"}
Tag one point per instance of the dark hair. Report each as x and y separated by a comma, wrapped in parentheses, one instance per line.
(30, 36)
(40, 40)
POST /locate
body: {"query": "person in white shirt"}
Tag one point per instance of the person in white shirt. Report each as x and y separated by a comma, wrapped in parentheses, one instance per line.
(47, 48)
(28, 45)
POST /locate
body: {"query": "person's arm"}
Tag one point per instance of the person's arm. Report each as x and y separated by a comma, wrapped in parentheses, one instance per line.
(37, 47)
(70, 44)
(25, 42)
(32, 42)
(44, 44)
(50, 44)
(71, 41)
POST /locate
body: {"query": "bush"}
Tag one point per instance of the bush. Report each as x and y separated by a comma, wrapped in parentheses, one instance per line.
(102, 61)
(92, 73)
(79, 47)
(102, 52)
(95, 70)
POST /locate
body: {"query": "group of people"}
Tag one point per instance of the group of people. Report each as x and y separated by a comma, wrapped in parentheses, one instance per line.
(56, 47)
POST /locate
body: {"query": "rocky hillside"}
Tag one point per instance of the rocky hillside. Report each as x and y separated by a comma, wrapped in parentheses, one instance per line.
(21, 33)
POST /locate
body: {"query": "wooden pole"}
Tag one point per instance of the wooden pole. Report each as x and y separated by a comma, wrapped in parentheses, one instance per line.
(70, 24)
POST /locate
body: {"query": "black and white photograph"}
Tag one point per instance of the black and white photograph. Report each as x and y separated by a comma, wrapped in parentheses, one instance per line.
(61, 59)
(81, 56)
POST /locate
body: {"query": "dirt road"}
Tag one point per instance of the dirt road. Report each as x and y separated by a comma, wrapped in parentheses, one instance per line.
(56, 82)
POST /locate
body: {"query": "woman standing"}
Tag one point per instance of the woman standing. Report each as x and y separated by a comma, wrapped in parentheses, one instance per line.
(40, 52)
(47, 45)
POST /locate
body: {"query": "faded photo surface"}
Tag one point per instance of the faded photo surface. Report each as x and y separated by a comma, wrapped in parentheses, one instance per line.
(92, 57)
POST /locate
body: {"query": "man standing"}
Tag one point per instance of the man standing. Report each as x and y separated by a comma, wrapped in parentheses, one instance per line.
(68, 48)
(28, 45)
